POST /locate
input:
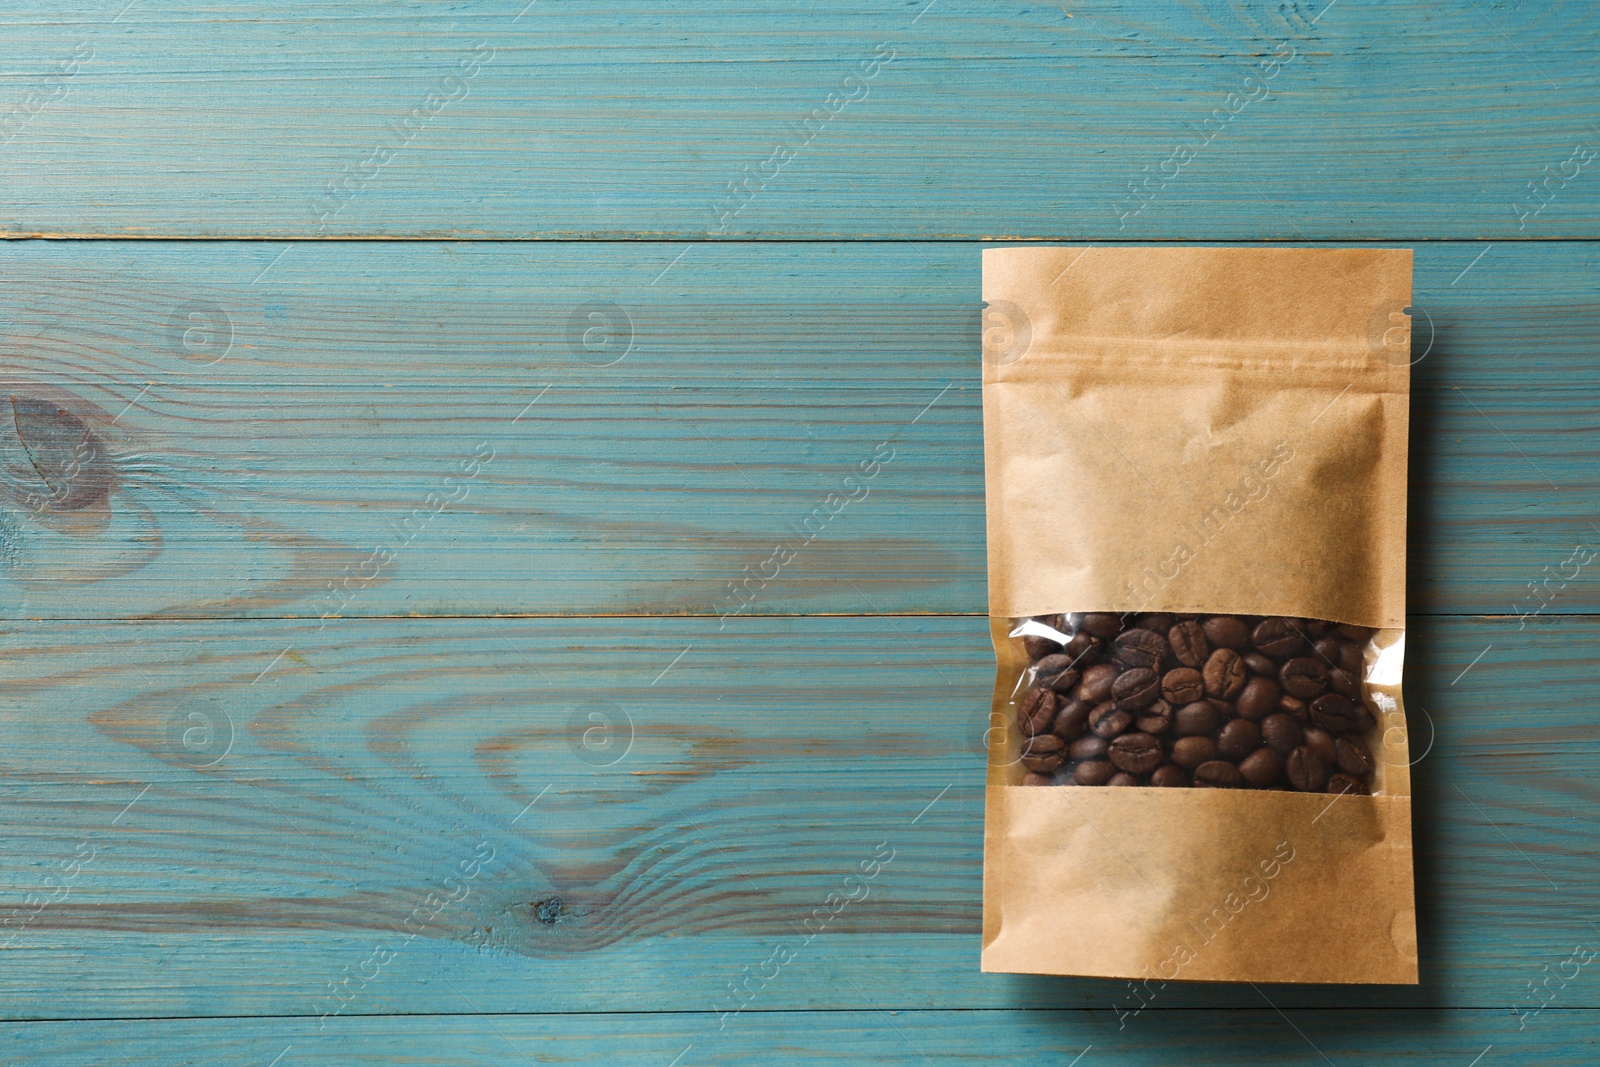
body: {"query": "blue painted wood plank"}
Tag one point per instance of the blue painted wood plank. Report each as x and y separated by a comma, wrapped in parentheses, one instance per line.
(1110, 120)
(247, 808)
(656, 426)
(1307, 1038)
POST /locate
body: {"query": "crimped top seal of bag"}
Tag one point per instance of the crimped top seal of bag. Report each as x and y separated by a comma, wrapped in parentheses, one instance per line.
(1197, 429)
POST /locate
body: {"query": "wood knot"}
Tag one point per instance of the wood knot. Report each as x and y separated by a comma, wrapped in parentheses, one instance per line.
(56, 461)
(547, 911)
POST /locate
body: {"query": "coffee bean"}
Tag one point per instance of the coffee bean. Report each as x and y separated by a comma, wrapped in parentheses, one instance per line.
(1035, 778)
(1305, 770)
(1089, 746)
(1169, 777)
(1344, 783)
(1136, 753)
(1359, 634)
(1056, 672)
(1083, 648)
(1095, 685)
(1093, 772)
(1262, 768)
(1158, 621)
(1218, 775)
(1224, 674)
(1320, 741)
(1136, 689)
(1226, 631)
(1182, 685)
(1072, 719)
(1344, 682)
(1295, 707)
(1315, 628)
(1304, 677)
(1277, 637)
(1327, 649)
(1123, 778)
(1108, 720)
(1238, 739)
(1102, 624)
(1043, 753)
(1338, 714)
(1281, 733)
(1036, 711)
(1352, 756)
(1190, 752)
(1188, 642)
(1199, 719)
(1039, 647)
(1256, 663)
(1258, 698)
(1350, 658)
(1139, 648)
(1156, 719)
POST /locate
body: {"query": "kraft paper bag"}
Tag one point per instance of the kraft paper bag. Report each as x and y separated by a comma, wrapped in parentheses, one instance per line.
(1198, 431)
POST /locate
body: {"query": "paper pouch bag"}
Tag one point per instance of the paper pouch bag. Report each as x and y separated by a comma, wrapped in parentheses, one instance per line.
(1196, 472)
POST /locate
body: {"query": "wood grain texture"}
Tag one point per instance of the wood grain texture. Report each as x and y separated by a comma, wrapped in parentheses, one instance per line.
(253, 808)
(262, 425)
(1305, 1038)
(1386, 120)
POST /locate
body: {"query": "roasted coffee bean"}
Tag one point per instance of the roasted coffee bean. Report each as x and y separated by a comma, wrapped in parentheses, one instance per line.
(1169, 777)
(1108, 720)
(1305, 770)
(1056, 672)
(1295, 707)
(1199, 719)
(1036, 711)
(1238, 739)
(1344, 783)
(1158, 621)
(1256, 663)
(1226, 631)
(1315, 628)
(1139, 648)
(1093, 772)
(1095, 685)
(1136, 753)
(1352, 756)
(1102, 624)
(1218, 774)
(1072, 719)
(1338, 714)
(1224, 674)
(1035, 778)
(1359, 634)
(1089, 746)
(1043, 753)
(1123, 778)
(1320, 741)
(1039, 647)
(1083, 648)
(1304, 677)
(1182, 685)
(1351, 659)
(1187, 640)
(1156, 719)
(1278, 637)
(1344, 682)
(1258, 699)
(1136, 689)
(1190, 752)
(1281, 733)
(1327, 649)
(1262, 768)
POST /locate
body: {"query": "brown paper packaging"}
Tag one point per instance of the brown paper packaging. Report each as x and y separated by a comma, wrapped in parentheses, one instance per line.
(1198, 430)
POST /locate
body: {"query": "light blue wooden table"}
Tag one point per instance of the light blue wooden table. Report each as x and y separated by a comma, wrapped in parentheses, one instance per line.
(510, 338)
